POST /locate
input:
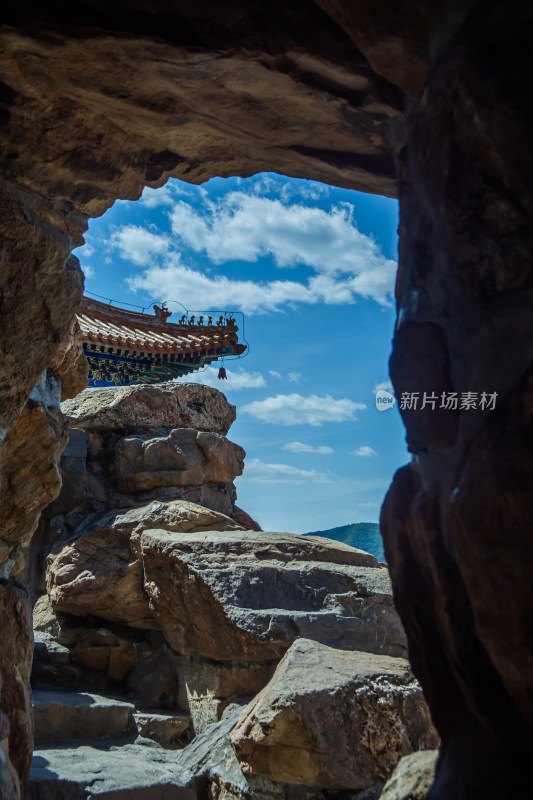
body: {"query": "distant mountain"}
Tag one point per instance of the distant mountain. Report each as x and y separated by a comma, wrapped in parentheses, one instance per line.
(364, 535)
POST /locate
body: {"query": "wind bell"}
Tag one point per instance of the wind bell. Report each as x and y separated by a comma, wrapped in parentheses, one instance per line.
(222, 373)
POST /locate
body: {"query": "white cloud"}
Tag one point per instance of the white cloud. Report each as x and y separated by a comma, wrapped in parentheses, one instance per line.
(383, 385)
(138, 244)
(259, 472)
(300, 447)
(295, 377)
(343, 263)
(166, 195)
(88, 271)
(368, 505)
(152, 198)
(295, 409)
(364, 451)
(236, 380)
(274, 373)
(289, 190)
(245, 227)
(197, 290)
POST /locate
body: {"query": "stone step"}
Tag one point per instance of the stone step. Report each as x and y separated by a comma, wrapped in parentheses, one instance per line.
(68, 716)
(121, 771)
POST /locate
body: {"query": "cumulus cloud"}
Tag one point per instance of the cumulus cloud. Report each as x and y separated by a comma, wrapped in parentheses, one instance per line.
(274, 373)
(246, 227)
(295, 377)
(198, 290)
(295, 409)
(364, 451)
(300, 447)
(342, 262)
(139, 245)
(259, 472)
(152, 198)
(236, 379)
(88, 271)
(166, 195)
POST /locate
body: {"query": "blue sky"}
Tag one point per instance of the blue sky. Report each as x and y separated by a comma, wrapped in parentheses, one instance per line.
(312, 269)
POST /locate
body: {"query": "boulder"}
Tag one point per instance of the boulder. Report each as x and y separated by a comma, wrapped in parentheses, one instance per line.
(179, 457)
(245, 520)
(412, 778)
(167, 405)
(246, 596)
(333, 719)
(211, 759)
(99, 571)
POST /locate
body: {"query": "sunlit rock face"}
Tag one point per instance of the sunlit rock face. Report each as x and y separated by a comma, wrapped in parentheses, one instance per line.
(128, 464)
(297, 729)
(246, 596)
(99, 101)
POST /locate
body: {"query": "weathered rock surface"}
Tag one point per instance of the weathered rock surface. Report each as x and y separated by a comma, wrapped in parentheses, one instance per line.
(167, 729)
(207, 688)
(167, 405)
(30, 474)
(456, 522)
(44, 618)
(180, 457)
(412, 778)
(154, 680)
(9, 780)
(245, 520)
(234, 596)
(333, 719)
(99, 571)
(310, 89)
(16, 652)
(70, 364)
(64, 644)
(65, 716)
(116, 770)
(211, 758)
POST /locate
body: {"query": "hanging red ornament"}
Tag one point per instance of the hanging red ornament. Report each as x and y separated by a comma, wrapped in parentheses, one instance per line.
(222, 374)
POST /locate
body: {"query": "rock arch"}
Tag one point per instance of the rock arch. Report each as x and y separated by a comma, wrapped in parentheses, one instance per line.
(428, 100)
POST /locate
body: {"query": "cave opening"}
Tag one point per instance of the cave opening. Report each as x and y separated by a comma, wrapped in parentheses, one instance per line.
(310, 270)
(425, 101)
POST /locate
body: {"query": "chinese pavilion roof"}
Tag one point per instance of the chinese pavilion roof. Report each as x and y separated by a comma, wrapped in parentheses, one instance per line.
(125, 347)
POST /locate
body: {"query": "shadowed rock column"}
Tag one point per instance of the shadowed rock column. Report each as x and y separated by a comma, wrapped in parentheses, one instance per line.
(15, 665)
(457, 521)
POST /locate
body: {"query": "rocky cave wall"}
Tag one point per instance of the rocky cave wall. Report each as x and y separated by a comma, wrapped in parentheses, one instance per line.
(425, 99)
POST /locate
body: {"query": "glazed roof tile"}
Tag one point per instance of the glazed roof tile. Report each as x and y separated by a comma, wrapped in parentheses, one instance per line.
(120, 328)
